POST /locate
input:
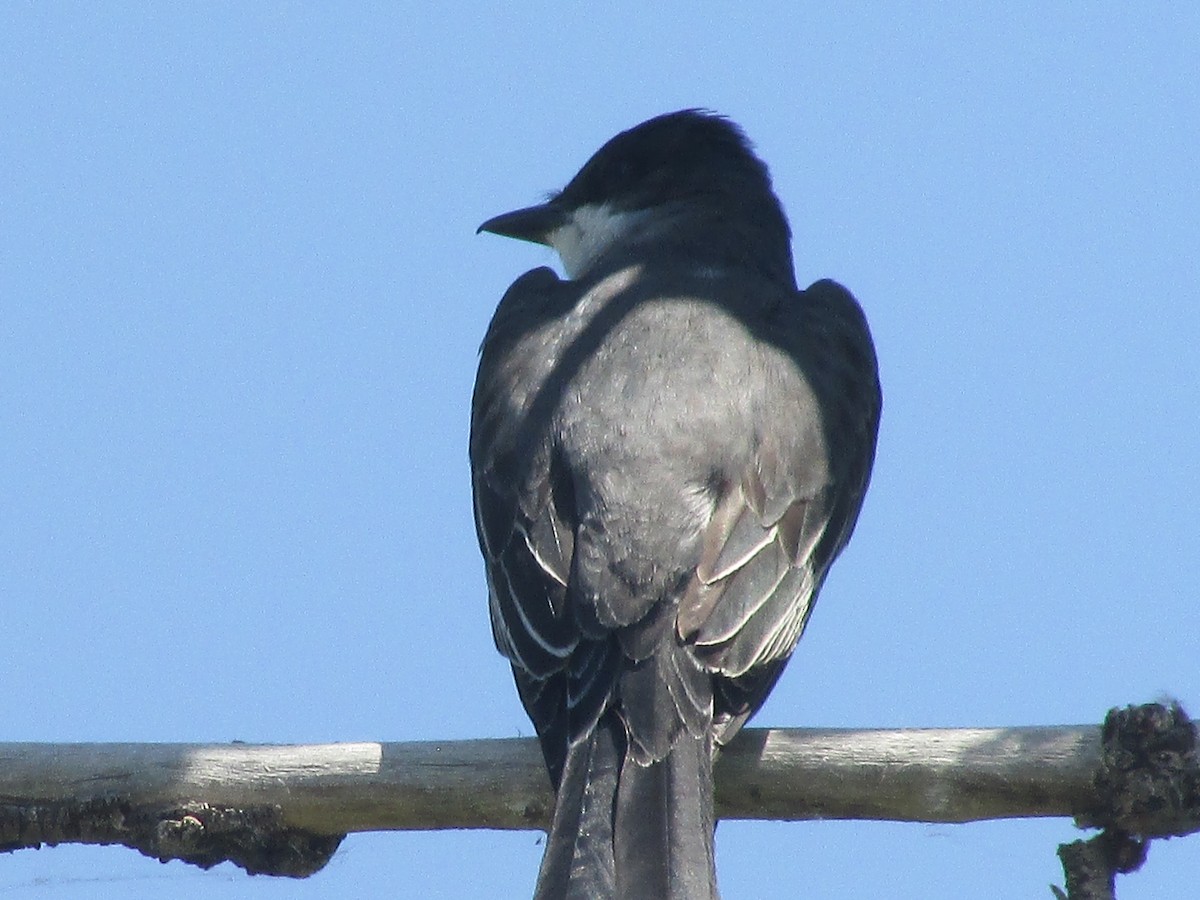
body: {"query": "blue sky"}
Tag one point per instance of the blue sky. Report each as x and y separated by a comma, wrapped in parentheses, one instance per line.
(240, 301)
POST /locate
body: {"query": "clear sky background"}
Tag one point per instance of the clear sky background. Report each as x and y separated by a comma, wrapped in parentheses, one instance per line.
(240, 301)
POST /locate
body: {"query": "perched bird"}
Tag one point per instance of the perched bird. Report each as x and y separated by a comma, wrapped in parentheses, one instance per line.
(668, 450)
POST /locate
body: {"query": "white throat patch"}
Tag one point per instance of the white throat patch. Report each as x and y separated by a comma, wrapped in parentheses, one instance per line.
(590, 232)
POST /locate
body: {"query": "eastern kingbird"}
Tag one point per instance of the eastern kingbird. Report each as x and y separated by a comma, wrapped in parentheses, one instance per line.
(668, 450)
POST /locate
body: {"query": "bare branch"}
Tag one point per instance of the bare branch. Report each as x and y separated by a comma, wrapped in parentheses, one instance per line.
(928, 775)
(283, 809)
(911, 775)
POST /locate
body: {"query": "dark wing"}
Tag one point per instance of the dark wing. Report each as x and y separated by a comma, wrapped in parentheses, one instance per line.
(526, 546)
(774, 534)
(524, 517)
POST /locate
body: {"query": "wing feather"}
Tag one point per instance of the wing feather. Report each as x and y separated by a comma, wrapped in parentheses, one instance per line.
(776, 529)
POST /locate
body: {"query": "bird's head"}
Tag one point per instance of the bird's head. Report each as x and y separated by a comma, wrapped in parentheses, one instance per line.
(682, 176)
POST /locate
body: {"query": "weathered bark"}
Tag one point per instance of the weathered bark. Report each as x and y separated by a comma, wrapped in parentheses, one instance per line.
(283, 809)
(926, 775)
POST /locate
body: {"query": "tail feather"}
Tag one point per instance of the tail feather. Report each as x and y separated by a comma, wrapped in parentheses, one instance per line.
(631, 831)
(664, 826)
(578, 862)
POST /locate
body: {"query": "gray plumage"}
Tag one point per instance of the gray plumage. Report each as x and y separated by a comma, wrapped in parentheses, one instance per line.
(668, 451)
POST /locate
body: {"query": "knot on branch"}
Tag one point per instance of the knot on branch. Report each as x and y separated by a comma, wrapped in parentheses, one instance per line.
(1149, 778)
(1147, 786)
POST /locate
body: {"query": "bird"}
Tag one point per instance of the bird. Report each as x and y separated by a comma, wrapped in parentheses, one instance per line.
(668, 449)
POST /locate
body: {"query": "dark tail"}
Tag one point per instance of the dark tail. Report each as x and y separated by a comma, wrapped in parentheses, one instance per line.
(622, 831)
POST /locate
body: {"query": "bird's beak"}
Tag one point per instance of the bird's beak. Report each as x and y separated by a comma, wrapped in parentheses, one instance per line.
(534, 223)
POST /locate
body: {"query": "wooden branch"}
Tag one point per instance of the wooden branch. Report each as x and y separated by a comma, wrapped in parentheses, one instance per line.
(283, 809)
(912, 775)
(927, 775)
